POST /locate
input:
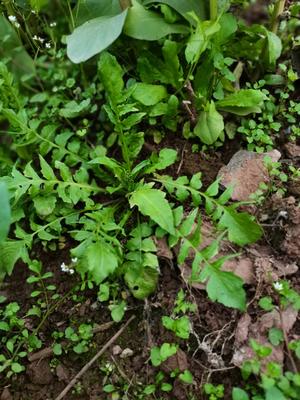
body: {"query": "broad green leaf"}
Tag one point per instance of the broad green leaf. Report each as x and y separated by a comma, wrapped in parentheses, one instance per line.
(44, 205)
(117, 311)
(99, 261)
(239, 394)
(37, 5)
(180, 326)
(72, 109)
(148, 25)
(170, 51)
(274, 47)
(164, 159)
(152, 203)
(11, 48)
(94, 36)
(186, 377)
(142, 281)
(161, 354)
(228, 25)
(275, 336)
(184, 7)
(16, 367)
(89, 9)
(224, 287)
(241, 227)
(111, 75)
(5, 215)
(273, 393)
(148, 94)
(10, 252)
(210, 125)
(167, 350)
(242, 102)
(46, 169)
(199, 40)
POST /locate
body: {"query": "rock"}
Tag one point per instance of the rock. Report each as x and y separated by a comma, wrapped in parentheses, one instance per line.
(270, 267)
(62, 373)
(242, 329)
(292, 149)
(245, 171)
(116, 350)
(39, 372)
(242, 267)
(258, 331)
(126, 353)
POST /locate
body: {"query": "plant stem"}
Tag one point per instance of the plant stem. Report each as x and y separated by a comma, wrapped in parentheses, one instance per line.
(125, 4)
(278, 10)
(213, 7)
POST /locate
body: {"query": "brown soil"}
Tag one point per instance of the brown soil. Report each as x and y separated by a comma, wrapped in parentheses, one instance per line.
(210, 349)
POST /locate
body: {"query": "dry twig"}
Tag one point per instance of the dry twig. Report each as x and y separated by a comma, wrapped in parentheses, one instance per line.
(92, 361)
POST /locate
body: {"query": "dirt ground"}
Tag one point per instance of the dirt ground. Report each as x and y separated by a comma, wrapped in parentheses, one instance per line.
(217, 331)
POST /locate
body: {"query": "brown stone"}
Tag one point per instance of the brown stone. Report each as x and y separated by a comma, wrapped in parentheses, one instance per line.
(39, 372)
(245, 172)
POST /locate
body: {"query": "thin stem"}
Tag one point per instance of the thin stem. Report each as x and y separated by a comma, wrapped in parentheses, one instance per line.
(71, 15)
(278, 10)
(213, 6)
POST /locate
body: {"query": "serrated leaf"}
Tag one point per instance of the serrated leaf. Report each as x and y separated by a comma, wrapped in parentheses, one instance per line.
(213, 189)
(242, 102)
(241, 227)
(44, 205)
(224, 287)
(111, 75)
(188, 224)
(10, 252)
(99, 261)
(152, 203)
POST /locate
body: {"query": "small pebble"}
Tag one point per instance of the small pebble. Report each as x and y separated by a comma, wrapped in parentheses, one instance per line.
(126, 353)
(116, 350)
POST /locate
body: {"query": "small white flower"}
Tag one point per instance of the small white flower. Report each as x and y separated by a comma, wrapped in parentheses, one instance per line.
(52, 24)
(67, 269)
(74, 260)
(38, 39)
(48, 45)
(278, 286)
(63, 267)
(12, 18)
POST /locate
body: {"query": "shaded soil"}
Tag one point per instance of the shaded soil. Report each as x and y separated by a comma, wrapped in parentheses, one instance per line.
(209, 351)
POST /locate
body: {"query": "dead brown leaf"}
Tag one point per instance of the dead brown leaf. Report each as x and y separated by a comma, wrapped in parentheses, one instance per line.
(6, 395)
(177, 361)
